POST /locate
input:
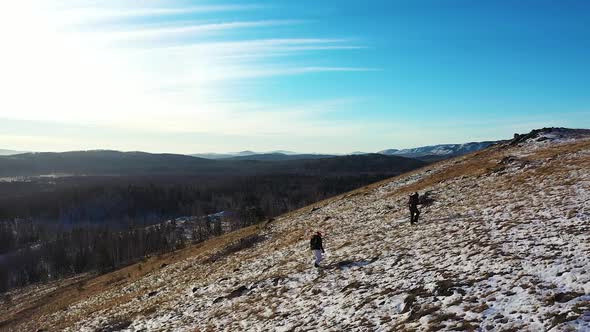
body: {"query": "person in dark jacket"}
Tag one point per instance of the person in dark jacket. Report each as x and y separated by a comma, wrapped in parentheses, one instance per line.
(413, 204)
(317, 248)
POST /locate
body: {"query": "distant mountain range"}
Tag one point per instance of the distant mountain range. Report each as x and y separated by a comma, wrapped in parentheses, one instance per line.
(429, 153)
(100, 162)
(253, 155)
(106, 162)
(279, 157)
(9, 152)
(115, 162)
(440, 150)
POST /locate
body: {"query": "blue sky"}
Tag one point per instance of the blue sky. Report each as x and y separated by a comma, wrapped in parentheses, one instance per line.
(308, 76)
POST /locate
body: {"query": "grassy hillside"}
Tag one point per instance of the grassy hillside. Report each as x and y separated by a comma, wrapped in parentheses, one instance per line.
(501, 247)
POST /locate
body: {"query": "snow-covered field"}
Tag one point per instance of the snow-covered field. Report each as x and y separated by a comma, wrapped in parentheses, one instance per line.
(504, 246)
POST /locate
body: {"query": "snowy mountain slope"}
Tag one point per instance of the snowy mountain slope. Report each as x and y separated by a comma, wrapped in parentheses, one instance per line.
(503, 247)
(439, 150)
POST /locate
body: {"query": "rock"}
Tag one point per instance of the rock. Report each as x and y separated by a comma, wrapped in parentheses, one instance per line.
(195, 289)
(443, 288)
(352, 285)
(276, 280)
(348, 263)
(408, 303)
(237, 292)
(572, 213)
(163, 265)
(426, 199)
(344, 263)
(115, 326)
(564, 297)
(150, 294)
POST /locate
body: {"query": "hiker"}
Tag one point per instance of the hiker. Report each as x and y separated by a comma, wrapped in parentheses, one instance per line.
(413, 204)
(317, 248)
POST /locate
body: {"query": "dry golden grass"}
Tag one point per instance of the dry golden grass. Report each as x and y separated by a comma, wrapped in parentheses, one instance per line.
(553, 151)
(474, 164)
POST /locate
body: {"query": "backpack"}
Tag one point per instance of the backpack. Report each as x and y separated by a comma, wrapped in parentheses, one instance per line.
(316, 242)
(414, 199)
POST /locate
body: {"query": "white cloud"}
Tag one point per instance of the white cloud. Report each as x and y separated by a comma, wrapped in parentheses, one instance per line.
(185, 29)
(94, 14)
(75, 76)
(258, 47)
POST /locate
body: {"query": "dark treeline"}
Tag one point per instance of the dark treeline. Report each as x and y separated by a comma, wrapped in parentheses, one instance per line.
(140, 163)
(81, 249)
(52, 228)
(130, 201)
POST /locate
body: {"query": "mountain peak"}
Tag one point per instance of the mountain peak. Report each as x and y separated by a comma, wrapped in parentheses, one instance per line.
(551, 134)
(245, 152)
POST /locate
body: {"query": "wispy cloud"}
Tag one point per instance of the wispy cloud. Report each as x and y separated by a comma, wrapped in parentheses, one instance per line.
(243, 73)
(259, 48)
(275, 44)
(233, 61)
(92, 76)
(81, 13)
(193, 29)
(237, 72)
(100, 14)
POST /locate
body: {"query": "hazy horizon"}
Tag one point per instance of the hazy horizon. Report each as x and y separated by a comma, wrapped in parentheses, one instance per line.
(312, 77)
(286, 151)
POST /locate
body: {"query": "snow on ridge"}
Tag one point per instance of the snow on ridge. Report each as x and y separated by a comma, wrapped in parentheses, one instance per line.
(501, 250)
(440, 149)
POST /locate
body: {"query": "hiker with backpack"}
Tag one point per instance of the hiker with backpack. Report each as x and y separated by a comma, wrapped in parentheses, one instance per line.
(413, 205)
(317, 248)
